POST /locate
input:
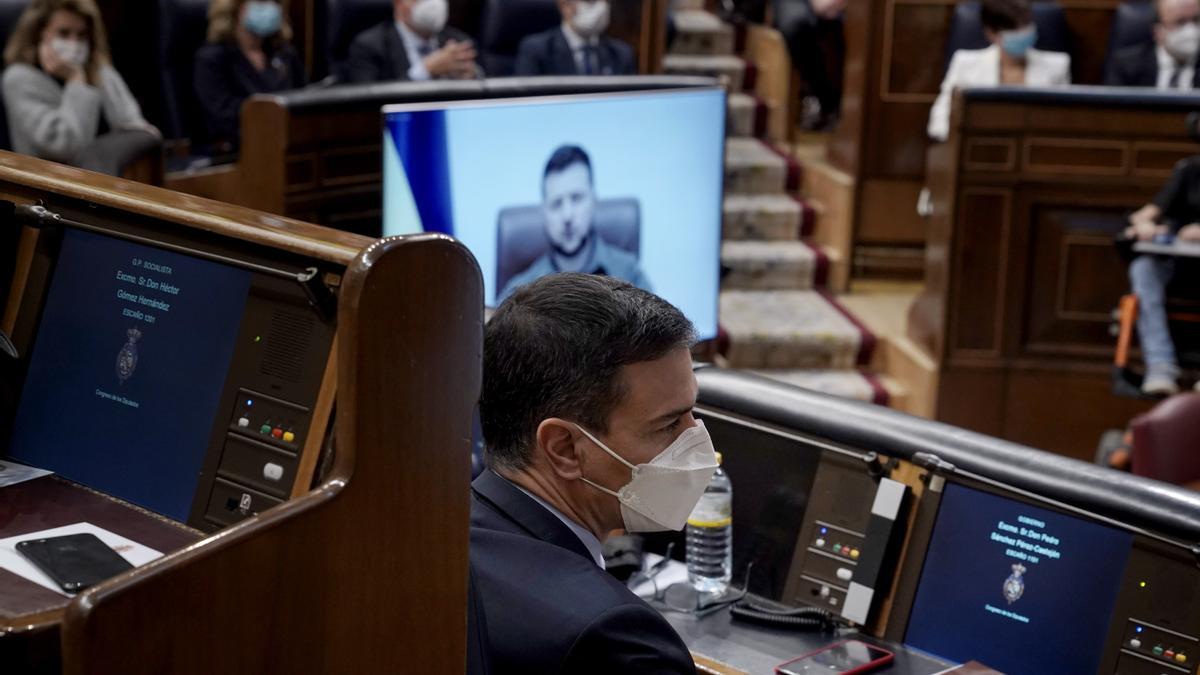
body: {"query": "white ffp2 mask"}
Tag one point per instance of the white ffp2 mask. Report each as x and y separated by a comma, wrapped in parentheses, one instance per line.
(430, 15)
(1183, 43)
(590, 19)
(663, 491)
(75, 52)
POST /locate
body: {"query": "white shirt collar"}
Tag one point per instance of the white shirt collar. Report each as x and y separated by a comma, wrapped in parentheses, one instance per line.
(576, 41)
(590, 542)
(1167, 65)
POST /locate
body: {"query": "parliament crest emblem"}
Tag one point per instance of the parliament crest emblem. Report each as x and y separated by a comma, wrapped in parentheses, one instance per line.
(127, 358)
(1014, 585)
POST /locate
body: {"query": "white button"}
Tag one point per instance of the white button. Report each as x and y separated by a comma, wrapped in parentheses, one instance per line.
(272, 471)
(844, 574)
(820, 543)
(833, 600)
(244, 422)
(824, 591)
(1135, 643)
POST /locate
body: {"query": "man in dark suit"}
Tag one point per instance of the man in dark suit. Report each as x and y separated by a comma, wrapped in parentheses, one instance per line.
(416, 45)
(1167, 62)
(577, 47)
(584, 378)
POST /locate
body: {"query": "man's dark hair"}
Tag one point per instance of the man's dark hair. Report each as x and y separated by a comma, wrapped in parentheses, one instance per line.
(555, 349)
(565, 156)
(1001, 15)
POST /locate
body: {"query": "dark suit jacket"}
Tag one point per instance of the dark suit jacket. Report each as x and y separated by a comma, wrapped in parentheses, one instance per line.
(224, 79)
(1137, 66)
(549, 608)
(377, 54)
(547, 53)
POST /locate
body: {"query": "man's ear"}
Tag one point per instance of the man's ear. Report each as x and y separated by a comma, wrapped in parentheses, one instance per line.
(556, 444)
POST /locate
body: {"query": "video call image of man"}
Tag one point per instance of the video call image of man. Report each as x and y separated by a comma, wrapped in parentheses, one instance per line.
(1169, 60)
(586, 412)
(569, 209)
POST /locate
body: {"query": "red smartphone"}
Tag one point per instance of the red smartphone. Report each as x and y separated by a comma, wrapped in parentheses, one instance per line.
(842, 658)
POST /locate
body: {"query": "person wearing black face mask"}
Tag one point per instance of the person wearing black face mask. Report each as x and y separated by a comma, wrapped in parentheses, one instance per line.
(577, 47)
(1169, 60)
(249, 53)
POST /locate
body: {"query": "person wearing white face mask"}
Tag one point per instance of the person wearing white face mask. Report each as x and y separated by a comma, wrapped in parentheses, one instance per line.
(64, 99)
(416, 44)
(249, 52)
(577, 47)
(1167, 62)
(1011, 60)
(586, 412)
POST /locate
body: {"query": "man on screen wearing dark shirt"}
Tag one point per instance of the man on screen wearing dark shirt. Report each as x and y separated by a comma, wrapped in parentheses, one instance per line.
(1174, 212)
(569, 207)
(586, 412)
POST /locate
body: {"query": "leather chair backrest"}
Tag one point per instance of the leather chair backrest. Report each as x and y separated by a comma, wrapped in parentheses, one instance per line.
(521, 233)
(10, 11)
(504, 23)
(345, 20)
(966, 28)
(1164, 440)
(182, 28)
(1133, 23)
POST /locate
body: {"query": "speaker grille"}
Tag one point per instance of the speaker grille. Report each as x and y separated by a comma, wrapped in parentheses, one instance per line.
(288, 340)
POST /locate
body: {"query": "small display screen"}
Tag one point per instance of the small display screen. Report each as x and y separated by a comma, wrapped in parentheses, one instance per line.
(627, 185)
(1020, 588)
(127, 369)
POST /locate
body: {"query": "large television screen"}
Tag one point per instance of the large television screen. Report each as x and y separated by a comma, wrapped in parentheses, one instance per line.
(628, 185)
(128, 368)
(1020, 588)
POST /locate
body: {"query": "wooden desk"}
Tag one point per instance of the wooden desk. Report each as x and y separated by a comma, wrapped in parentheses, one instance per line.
(1022, 275)
(895, 56)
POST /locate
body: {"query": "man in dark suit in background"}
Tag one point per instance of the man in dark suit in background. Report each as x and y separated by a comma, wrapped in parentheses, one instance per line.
(577, 47)
(416, 45)
(1167, 62)
(584, 378)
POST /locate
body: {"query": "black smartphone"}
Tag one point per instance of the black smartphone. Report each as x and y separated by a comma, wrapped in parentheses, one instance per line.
(73, 561)
(850, 656)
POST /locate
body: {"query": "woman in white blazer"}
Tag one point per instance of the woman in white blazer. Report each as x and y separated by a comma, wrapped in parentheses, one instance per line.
(1010, 60)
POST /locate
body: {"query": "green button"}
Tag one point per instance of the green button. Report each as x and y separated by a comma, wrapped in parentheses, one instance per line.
(837, 548)
(1158, 650)
(264, 429)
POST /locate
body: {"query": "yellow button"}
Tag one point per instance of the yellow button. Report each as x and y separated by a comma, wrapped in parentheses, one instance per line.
(288, 437)
(1182, 658)
(854, 554)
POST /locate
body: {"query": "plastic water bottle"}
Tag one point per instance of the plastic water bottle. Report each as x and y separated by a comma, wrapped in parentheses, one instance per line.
(710, 536)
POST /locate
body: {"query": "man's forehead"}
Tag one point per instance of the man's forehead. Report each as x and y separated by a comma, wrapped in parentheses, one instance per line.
(656, 388)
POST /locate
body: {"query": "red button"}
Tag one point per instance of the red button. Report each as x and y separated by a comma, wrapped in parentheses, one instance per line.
(277, 432)
(1170, 653)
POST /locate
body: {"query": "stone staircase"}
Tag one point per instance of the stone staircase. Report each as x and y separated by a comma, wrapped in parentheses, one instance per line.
(781, 318)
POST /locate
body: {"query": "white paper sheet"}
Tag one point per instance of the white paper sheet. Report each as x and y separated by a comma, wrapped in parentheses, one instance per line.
(673, 573)
(12, 473)
(16, 563)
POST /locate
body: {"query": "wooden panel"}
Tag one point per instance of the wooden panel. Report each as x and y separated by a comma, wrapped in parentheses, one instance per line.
(1078, 156)
(980, 252)
(889, 213)
(1158, 159)
(990, 154)
(914, 27)
(973, 398)
(1064, 412)
(344, 572)
(1075, 278)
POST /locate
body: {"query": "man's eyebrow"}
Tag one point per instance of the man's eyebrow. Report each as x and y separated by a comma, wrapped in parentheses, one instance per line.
(673, 414)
